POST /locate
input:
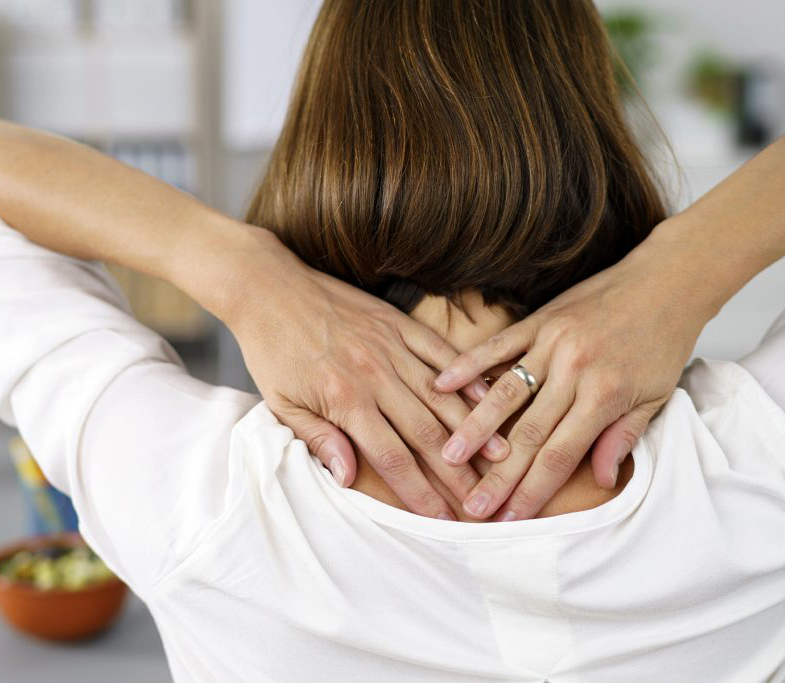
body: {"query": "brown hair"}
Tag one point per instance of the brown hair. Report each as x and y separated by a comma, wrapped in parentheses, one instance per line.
(433, 146)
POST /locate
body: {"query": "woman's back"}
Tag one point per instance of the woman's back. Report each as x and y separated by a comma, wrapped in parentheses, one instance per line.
(257, 566)
(683, 572)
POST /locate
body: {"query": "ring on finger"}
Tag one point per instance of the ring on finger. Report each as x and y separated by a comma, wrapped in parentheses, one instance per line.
(522, 372)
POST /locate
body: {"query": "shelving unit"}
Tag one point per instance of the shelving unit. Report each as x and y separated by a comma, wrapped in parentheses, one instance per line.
(127, 77)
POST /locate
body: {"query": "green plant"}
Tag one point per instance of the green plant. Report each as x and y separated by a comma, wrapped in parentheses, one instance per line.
(631, 34)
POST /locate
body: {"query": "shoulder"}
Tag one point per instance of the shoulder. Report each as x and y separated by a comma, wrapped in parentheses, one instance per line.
(718, 388)
(721, 411)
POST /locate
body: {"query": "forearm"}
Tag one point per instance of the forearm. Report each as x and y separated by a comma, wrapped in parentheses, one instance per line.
(72, 199)
(718, 244)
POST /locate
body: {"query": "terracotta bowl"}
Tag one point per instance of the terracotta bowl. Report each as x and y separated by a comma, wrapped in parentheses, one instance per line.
(58, 614)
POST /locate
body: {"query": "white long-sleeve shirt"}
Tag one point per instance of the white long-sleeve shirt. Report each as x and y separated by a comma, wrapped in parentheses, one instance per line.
(257, 566)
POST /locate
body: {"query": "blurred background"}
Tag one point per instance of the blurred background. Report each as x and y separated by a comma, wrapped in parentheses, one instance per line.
(194, 92)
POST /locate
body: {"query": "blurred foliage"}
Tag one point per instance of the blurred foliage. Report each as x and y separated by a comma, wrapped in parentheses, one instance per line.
(631, 34)
(713, 80)
(56, 568)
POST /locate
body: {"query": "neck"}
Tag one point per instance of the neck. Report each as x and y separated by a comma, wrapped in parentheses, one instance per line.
(465, 329)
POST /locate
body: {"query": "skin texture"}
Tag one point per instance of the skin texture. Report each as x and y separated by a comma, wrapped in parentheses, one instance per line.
(609, 351)
(580, 491)
(345, 370)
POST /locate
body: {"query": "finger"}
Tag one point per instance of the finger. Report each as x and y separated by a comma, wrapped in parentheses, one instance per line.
(424, 343)
(554, 464)
(450, 409)
(426, 435)
(616, 441)
(389, 456)
(324, 440)
(476, 390)
(526, 438)
(508, 394)
(481, 464)
(512, 342)
(435, 352)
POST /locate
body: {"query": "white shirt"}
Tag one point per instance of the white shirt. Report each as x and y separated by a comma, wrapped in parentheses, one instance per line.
(257, 566)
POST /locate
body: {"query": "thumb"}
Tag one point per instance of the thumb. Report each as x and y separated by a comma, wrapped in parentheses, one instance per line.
(507, 344)
(616, 441)
(325, 441)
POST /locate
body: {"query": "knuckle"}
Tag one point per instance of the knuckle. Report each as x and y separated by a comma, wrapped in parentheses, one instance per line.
(382, 317)
(316, 443)
(609, 390)
(426, 500)
(437, 345)
(555, 330)
(364, 363)
(393, 463)
(465, 478)
(432, 396)
(429, 433)
(578, 358)
(472, 427)
(337, 391)
(506, 390)
(628, 437)
(461, 361)
(497, 344)
(628, 440)
(607, 395)
(524, 502)
(527, 435)
(558, 461)
(494, 483)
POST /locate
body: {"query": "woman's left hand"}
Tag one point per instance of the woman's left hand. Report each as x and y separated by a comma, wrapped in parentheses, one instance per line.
(607, 354)
(342, 368)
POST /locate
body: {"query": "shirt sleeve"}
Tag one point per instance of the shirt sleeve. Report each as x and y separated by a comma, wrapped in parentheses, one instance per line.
(767, 362)
(109, 412)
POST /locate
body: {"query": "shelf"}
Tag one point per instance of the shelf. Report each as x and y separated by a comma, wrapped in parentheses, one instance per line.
(104, 86)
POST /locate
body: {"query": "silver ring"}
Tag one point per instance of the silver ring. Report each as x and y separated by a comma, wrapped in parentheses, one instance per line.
(527, 377)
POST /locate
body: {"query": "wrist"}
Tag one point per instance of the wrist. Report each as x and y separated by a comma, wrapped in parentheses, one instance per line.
(697, 265)
(729, 235)
(221, 262)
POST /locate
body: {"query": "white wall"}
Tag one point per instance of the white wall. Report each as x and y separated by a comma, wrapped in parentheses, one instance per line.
(262, 44)
(747, 32)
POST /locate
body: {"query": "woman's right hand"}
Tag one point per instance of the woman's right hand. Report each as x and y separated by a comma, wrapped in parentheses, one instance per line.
(607, 354)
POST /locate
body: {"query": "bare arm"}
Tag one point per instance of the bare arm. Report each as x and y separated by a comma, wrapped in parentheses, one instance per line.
(311, 342)
(609, 351)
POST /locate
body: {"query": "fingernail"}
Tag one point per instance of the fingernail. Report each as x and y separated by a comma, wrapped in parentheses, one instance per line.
(508, 516)
(453, 451)
(477, 504)
(444, 378)
(622, 453)
(445, 517)
(496, 445)
(338, 470)
(614, 474)
(480, 391)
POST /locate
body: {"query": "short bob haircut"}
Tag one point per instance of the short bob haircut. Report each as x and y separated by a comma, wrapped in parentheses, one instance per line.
(434, 146)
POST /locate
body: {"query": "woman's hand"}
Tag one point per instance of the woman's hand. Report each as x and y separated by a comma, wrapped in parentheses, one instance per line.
(316, 347)
(332, 360)
(607, 354)
(610, 348)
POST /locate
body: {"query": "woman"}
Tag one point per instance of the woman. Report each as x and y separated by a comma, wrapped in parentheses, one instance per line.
(255, 563)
